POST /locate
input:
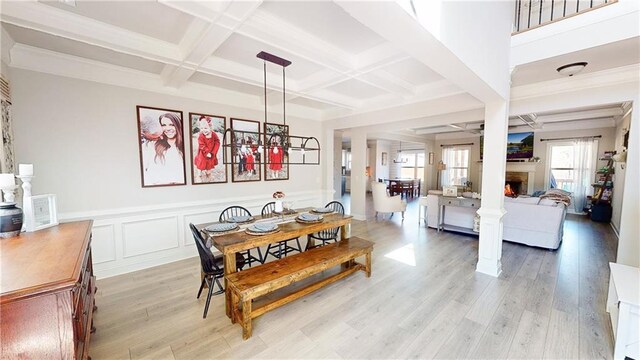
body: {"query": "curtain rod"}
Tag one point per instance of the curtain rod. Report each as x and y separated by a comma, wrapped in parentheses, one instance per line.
(450, 145)
(574, 138)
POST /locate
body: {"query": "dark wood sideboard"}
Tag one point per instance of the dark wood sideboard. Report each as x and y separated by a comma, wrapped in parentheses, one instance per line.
(47, 293)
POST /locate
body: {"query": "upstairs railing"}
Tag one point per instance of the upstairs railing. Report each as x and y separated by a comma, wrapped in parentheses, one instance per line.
(531, 14)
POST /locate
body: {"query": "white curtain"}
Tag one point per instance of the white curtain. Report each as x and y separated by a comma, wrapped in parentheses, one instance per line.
(447, 159)
(583, 150)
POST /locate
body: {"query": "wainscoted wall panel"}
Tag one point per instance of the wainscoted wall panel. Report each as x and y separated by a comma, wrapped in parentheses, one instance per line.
(126, 240)
(150, 235)
(103, 243)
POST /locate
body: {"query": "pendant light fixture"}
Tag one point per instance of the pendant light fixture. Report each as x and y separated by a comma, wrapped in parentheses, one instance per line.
(399, 159)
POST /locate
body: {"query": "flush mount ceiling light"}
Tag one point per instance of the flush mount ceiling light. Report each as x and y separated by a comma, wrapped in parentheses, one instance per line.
(571, 69)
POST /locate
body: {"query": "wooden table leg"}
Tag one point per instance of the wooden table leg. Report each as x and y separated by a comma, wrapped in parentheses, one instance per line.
(229, 268)
(345, 231)
(367, 264)
(246, 319)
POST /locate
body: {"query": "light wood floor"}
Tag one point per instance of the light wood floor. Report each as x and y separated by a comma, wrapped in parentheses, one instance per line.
(424, 300)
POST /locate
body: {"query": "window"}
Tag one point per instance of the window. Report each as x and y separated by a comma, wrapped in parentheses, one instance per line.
(413, 168)
(571, 167)
(456, 158)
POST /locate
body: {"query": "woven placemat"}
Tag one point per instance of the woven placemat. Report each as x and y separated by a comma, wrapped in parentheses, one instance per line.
(309, 222)
(260, 233)
(220, 233)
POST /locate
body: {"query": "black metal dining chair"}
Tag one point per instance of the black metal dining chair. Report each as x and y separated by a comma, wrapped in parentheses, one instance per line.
(212, 267)
(232, 211)
(281, 248)
(328, 235)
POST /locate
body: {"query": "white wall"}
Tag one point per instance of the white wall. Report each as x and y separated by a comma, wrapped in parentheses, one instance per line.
(82, 139)
(382, 171)
(620, 173)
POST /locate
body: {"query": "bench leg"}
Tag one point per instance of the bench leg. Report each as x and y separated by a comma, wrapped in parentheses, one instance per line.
(367, 264)
(235, 302)
(246, 319)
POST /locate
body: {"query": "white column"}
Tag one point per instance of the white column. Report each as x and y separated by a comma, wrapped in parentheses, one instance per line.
(358, 174)
(628, 242)
(493, 175)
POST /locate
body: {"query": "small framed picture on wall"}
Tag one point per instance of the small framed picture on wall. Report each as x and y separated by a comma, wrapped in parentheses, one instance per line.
(161, 142)
(384, 159)
(245, 155)
(206, 134)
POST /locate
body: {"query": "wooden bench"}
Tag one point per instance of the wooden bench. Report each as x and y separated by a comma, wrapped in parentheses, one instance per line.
(249, 284)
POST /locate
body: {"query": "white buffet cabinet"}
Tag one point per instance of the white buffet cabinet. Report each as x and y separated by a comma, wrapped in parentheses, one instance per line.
(623, 305)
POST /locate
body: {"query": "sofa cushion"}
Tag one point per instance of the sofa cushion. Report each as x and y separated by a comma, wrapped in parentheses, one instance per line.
(548, 202)
(523, 200)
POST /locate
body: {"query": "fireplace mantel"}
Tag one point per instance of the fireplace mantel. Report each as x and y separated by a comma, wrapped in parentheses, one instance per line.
(528, 167)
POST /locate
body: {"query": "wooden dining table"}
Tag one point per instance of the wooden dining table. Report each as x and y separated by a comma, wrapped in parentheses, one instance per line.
(231, 243)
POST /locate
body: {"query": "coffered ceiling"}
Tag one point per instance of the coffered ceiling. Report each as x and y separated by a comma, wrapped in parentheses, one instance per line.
(340, 66)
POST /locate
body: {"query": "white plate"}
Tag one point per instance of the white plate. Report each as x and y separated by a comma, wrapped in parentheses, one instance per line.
(257, 228)
(323, 210)
(240, 218)
(221, 227)
(309, 217)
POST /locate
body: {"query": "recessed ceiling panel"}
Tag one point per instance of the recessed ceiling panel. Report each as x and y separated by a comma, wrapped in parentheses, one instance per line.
(356, 89)
(71, 47)
(311, 103)
(413, 72)
(150, 18)
(609, 56)
(243, 50)
(225, 83)
(327, 21)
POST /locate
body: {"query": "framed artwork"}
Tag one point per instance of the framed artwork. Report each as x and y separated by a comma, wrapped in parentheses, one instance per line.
(384, 159)
(206, 134)
(40, 212)
(245, 150)
(161, 140)
(276, 162)
(431, 158)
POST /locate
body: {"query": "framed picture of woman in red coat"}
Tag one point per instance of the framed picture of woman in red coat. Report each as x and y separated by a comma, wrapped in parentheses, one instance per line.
(246, 152)
(276, 164)
(207, 132)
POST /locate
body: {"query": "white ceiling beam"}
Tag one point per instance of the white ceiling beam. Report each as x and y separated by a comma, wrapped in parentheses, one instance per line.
(581, 115)
(394, 24)
(48, 19)
(201, 41)
(435, 130)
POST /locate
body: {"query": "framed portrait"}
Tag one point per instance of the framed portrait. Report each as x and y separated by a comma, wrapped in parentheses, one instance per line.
(276, 161)
(161, 141)
(246, 155)
(384, 159)
(206, 135)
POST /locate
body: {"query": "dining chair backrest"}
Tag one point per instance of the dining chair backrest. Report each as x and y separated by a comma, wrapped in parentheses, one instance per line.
(337, 207)
(269, 208)
(232, 211)
(207, 259)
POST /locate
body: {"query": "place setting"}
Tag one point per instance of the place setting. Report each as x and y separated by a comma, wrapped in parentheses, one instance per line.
(322, 210)
(240, 219)
(309, 218)
(221, 228)
(262, 229)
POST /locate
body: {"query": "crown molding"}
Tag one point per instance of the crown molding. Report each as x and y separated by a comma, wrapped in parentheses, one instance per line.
(617, 76)
(45, 61)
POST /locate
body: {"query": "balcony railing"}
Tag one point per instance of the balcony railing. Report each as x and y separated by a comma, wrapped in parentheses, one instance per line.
(531, 14)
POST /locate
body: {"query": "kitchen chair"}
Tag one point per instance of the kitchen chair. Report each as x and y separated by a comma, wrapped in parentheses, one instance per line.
(212, 267)
(328, 235)
(232, 211)
(282, 248)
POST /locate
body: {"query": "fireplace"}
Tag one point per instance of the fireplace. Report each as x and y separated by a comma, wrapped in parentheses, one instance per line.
(516, 183)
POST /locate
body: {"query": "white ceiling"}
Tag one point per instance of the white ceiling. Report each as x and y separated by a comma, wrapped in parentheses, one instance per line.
(339, 66)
